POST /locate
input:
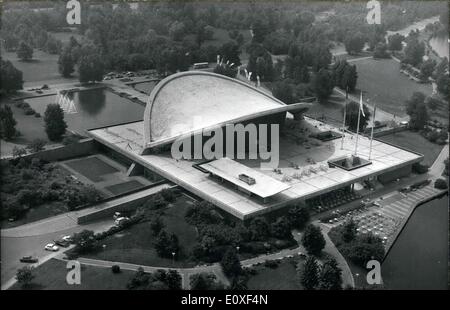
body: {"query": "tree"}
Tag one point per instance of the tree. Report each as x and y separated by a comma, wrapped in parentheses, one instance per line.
(173, 280)
(443, 83)
(417, 111)
(260, 63)
(24, 276)
(156, 225)
(354, 43)
(177, 30)
(259, 228)
(349, 231)
(7, 123)
(55, 125)
(85, 242)
(330, 275)
(166, 244)
(313, 240)
(323, 85)
(366, 247)
(259, 30)
(11, 77)
(309, 276)
(380, 51)
(24, 51)
(230, 52)
(284, 91)
(344, 75)
(226, 70)
(90, 68)
(395, 42)
(299, 216)
(440, 184)
(36, 145)
(351, 119)
(66, 63)
(427, 69)
(281, 228)
(230, 263)
(414, 52)
(205, 281)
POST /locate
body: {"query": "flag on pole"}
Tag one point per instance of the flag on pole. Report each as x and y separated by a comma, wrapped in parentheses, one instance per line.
(361, 105)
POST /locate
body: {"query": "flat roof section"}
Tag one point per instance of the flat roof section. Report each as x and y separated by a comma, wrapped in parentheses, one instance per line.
(229, 170)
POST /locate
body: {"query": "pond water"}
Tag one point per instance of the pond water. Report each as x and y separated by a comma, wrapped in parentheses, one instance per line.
(418, 259)
(440, 45)
(93, 108)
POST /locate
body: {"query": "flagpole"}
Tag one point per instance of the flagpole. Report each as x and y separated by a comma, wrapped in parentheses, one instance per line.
(345, 115)
(371, 133)
(357, 127)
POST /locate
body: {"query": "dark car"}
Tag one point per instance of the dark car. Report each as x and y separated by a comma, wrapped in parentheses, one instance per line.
(28, 259)
(63, 243)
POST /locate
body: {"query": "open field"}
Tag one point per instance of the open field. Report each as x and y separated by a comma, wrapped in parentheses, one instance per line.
(43, 67)
(52, 276)
(383, 84)
(30, 127)
(415, 142)
(284, 277)
(135, 244)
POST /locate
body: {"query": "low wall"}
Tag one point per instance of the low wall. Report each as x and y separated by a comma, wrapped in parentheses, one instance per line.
(109, 211)
(82, 148)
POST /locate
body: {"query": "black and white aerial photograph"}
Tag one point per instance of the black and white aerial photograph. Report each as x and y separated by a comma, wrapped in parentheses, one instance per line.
(223, 151)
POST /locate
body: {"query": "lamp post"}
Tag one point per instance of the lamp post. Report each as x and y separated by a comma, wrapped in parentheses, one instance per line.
(173, 258)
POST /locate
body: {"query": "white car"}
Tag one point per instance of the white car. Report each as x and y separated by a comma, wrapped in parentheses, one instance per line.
(51, 247)
(67, 238)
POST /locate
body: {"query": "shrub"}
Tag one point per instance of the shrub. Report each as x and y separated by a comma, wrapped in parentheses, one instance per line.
(115, 269)
(168, 195)
(29, 111)
(419, 168)
(271, 264)
(37, 115)
(440, 184)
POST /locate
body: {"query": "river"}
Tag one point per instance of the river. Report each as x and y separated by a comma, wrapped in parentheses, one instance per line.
(419, 257)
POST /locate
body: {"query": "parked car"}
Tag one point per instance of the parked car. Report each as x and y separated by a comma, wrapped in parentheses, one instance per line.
(62, 243)
(117, 215)
(28, 259)
(67, 238)
(120, 220)
(51, 247)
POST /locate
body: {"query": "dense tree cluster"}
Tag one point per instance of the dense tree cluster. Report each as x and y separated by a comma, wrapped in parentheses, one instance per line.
(7, 123)
(55, 125)
(351, 119)
(359, 248)
(417, 111)
(324, 277)
(158, 280)
(344, 75)
(11, 77)
(313, 240)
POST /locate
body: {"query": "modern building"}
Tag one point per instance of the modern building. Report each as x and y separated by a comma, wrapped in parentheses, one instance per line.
(314, 158)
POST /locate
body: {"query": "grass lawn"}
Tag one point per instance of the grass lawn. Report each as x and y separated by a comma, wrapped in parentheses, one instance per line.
(43, 67)
(415, 142)
(124, 187)
(30, 127)
(135, 245)
(52, 276)
(92, 168)
(284, 277)
(383, 83)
